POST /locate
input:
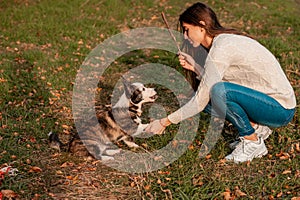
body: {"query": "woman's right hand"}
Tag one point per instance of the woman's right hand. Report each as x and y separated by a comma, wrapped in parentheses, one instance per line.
(187, 61)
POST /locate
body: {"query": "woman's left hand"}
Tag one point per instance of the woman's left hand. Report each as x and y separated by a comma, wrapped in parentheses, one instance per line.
(155, 127)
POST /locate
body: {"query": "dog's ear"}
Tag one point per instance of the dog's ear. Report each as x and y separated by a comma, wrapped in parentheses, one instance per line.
(127, 88)
(136, 97)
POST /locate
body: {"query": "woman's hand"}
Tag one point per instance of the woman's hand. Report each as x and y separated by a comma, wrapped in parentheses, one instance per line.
(158, 126)
(188, 62)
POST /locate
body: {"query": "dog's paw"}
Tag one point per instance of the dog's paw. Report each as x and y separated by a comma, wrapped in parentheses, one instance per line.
(111, 152)
(131, 144)
(107, 158)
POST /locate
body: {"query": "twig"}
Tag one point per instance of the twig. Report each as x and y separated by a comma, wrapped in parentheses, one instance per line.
(297, 73)
(168, 27)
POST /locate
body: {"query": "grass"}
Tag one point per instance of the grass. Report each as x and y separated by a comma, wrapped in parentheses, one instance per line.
(43, 44)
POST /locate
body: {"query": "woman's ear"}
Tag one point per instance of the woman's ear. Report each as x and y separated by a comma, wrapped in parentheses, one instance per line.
(202, 23)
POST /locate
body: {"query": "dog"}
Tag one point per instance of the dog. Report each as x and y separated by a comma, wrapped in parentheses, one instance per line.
(118, 123)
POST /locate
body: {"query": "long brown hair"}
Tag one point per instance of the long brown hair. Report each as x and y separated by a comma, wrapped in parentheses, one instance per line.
(193, 15)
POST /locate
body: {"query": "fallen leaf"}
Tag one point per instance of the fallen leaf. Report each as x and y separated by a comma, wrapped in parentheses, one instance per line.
(51, 194)
(132, 184)
(295, 198)
(67, 164)
(64, 126)
(238, 192)
(147, 187)
(69, 177)
(279, 195)
(75, 180)
(174, 143)
(297, 147)
(287, 172)
(80, 42)
(164, 172)
(59, 172)
(35, 169)
(36, 197)
(9, 194)
(283, 155)
(226, 195)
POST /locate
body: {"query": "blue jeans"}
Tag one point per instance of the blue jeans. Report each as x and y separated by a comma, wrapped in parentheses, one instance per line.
(240, 105)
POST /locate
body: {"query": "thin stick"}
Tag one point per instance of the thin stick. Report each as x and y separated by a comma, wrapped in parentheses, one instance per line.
(168, 27)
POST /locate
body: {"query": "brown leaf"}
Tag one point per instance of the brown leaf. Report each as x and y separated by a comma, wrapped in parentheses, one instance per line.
(59, 172)
(226, 195)
(35, 169)
(287, 172)
(64, 126)
(158, 181)
(147, 187)
(279, 195)
(297, 147)
(295, 198)
(283, 155)
(9, 194)
(132, 184)
(271, 197)
(67, 164)
(238, 192)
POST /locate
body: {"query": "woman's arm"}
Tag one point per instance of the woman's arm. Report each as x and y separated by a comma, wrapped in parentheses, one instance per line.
(215, 67)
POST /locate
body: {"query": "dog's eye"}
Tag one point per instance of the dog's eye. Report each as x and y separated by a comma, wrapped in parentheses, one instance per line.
(144, 89)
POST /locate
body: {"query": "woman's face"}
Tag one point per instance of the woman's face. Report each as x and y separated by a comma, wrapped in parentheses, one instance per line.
(194, 34)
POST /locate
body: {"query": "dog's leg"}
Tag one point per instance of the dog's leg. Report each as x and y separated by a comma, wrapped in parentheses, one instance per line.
(131, 144)
(140, 132)
(126, 139)
(140, 129)
(107, 158)
(106, 151)
(111, 152)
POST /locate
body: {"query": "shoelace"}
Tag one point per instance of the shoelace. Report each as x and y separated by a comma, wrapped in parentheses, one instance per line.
(241, 146)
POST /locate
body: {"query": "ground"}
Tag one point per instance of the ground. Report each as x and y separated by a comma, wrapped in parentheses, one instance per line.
(42, 46)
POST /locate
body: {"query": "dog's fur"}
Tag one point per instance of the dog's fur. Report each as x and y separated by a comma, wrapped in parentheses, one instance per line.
(119, 123)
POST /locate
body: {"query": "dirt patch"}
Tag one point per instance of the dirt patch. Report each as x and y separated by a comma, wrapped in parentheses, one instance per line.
(87, 179)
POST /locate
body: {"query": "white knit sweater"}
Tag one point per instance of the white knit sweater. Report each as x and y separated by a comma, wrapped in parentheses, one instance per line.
(241, 60)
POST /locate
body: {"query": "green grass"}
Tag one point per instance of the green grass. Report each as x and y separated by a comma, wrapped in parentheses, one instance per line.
(43, 44)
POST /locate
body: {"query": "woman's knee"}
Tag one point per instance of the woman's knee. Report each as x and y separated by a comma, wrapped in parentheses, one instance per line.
(218, 89)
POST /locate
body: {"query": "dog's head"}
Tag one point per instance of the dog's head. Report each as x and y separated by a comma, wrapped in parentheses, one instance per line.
(138, 94)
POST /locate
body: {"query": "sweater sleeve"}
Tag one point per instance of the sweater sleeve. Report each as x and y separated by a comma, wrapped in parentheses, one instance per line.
(215, 66)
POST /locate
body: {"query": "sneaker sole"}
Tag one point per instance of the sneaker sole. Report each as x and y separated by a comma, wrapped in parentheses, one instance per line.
(265, 152)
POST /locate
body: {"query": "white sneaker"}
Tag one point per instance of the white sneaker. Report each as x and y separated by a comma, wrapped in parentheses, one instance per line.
(262, 131)
(246, 150)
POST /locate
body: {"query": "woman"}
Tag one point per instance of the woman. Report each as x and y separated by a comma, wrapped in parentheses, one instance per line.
(241, 80)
